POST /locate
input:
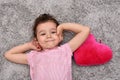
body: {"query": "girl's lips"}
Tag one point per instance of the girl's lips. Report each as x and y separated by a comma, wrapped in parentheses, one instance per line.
(49, 40)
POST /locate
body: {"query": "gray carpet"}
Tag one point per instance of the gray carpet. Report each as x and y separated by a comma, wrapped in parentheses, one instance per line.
(103, 17)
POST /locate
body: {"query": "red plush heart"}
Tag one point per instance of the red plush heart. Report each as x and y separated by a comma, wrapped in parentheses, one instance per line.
(92, 52)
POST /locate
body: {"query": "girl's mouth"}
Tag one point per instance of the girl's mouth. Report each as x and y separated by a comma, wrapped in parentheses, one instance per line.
(49, 40)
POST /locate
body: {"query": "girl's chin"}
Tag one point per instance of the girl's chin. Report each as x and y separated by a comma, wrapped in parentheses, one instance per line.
(50, 47)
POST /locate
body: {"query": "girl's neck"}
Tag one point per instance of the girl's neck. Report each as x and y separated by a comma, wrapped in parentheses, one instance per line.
(46, 49)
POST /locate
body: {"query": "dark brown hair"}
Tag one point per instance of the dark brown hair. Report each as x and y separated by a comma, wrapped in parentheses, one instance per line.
(42, 19)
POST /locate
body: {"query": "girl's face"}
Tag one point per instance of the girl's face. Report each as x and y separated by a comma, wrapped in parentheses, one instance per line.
(47, 35)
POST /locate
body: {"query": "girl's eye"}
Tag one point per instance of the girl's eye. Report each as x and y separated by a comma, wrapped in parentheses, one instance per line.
(42, 34)
(53, 32)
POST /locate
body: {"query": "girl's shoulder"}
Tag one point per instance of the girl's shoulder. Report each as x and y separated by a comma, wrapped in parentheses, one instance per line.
(66, 47)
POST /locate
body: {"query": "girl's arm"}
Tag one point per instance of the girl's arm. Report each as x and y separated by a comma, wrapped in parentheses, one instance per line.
(81, 31)
(17, 54)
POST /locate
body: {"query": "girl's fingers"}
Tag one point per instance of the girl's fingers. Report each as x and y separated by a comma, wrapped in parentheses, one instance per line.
(59, 31)
(38, 46)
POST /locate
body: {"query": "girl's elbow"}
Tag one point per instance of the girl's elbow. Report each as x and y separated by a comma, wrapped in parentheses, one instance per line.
(87, 29)
(6, 55)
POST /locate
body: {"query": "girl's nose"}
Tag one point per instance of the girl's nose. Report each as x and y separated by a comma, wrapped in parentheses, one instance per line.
(48, 35)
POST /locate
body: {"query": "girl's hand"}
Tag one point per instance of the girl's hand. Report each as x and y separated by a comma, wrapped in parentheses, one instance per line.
(60, 32)
(34, 45)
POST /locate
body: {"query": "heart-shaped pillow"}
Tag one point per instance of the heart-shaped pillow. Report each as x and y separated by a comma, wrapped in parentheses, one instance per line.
(92, 52)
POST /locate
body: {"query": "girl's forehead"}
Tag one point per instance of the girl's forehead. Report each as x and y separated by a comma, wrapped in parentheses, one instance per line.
(46, 26)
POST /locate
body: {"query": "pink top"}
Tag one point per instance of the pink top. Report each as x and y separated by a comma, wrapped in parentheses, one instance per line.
(54, 64)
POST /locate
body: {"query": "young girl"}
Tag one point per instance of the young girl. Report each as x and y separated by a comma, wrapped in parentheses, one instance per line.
(47, 60)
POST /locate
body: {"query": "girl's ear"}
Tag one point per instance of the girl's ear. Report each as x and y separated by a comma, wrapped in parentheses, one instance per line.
(36, 43)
